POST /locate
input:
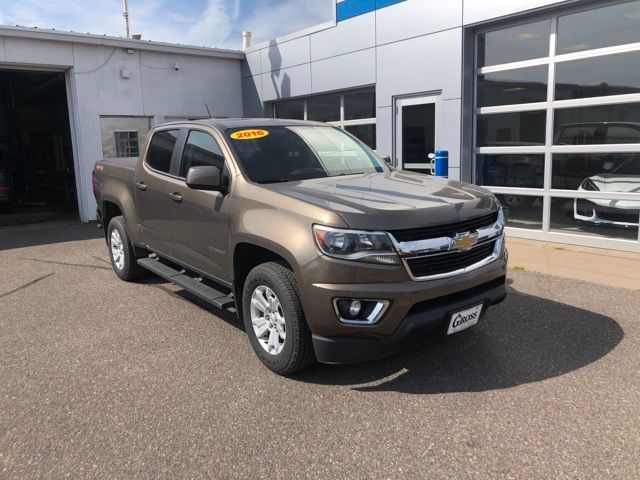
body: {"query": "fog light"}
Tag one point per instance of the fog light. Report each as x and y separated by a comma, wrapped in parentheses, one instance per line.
(359, 311)
(355, 307)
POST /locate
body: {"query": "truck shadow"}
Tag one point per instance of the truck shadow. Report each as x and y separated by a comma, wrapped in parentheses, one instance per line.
(524, 340)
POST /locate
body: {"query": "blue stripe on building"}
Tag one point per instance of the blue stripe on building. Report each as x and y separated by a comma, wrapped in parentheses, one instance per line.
(353, 8)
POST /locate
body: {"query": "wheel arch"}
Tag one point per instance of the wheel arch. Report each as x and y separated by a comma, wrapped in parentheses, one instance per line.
(248, 254)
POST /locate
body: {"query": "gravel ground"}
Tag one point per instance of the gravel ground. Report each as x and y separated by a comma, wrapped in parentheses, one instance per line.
(104, 379)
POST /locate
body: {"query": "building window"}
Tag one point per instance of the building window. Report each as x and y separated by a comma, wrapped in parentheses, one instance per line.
(353, 111)
(123, 136)
(557, 121)
(127, 144)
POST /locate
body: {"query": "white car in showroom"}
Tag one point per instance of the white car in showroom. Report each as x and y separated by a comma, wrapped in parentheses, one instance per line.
(622, 213)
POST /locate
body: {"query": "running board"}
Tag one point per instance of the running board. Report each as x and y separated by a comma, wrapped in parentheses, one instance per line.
(190, 284)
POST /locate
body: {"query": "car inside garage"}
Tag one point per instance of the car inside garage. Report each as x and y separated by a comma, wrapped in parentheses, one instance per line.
(37, 180)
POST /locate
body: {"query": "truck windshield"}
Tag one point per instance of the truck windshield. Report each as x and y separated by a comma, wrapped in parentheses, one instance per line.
(284, 154)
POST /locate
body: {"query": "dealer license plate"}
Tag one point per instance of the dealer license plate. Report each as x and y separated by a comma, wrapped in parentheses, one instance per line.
(464, 319)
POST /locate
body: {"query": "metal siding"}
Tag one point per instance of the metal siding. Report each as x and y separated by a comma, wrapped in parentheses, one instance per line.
(288, 82)
(357, 34)
(483, 10)
(414, 18)
(251, 65)
(286, 54)
(355, 69)
(401, 71)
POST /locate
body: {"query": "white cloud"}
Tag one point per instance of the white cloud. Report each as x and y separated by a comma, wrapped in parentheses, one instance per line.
(275, 19)
(218, 24)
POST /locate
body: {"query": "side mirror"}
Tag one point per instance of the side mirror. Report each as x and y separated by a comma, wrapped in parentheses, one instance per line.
(204, 178)
(387, 160)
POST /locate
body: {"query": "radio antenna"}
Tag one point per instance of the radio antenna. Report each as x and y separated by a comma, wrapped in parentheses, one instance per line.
(208, 112)
(125, 14)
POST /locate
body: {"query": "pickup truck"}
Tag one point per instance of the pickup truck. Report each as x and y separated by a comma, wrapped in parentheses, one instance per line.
(326, 252)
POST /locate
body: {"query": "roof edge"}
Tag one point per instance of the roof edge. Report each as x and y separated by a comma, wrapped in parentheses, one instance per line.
(35, 33)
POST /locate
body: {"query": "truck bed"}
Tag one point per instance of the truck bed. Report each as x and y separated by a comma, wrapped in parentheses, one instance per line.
(119, 173)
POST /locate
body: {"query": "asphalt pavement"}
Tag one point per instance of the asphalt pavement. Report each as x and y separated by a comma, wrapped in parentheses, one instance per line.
(105, 379)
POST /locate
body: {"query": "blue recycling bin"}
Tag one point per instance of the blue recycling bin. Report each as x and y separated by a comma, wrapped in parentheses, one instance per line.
(441, 164)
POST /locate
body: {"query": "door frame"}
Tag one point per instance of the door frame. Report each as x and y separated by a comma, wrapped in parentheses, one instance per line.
(399, 102)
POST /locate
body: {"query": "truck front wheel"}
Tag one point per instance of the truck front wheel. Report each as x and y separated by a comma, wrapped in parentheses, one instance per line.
(274, 319)
(121, 252)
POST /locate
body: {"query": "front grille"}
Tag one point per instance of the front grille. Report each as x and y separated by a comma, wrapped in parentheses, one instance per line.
(629, 216)
(448, 262)
(448, 230)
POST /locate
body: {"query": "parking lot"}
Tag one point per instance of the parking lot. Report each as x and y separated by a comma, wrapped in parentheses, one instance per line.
(103, 379)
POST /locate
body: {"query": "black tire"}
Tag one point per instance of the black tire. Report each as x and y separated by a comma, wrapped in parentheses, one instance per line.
(297, 352)
(130, 269)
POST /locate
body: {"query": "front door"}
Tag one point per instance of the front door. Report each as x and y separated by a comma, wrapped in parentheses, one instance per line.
(417, 129)
(200, 219)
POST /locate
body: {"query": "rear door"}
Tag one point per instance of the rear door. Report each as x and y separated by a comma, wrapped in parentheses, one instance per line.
(200, 219)
(151, 190)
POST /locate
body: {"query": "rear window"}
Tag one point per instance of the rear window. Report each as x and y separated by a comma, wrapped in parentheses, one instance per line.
(579, 135)
(161, 150)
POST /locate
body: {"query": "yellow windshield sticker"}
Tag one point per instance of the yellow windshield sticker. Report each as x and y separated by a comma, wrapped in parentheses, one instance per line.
(249, 134)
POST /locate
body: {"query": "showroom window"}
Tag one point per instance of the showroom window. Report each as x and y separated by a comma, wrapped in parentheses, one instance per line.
(354, 111)
(557, 123)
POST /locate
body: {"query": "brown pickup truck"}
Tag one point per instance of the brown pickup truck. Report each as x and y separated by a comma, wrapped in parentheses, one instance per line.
(327, 253)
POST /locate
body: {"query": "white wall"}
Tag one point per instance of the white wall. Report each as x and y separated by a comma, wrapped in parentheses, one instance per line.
(154, 89)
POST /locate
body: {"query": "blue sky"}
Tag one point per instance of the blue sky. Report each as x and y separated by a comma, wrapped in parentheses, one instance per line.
(214, 23)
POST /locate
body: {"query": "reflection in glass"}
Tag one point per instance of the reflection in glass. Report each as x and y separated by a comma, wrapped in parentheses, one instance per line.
(598, 77)
(522, 85)
(522, 42)
(360, 105)
(614, 172)
(291, 109)
(602, 27)
(366, 133)
(524, 171)
(522, 211)
(596, 217)
(324, 108)
(593, 125)
(504, 129)
(418, 135)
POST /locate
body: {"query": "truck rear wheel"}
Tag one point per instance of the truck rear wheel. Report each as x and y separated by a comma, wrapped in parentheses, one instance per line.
(274, 319)
(121, 252)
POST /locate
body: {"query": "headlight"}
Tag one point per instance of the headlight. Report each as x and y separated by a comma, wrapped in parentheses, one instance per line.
(588, 184)
(372, 247)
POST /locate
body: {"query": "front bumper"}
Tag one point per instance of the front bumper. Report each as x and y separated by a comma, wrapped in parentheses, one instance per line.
(590, 212)
(424, 319)
(415, 307)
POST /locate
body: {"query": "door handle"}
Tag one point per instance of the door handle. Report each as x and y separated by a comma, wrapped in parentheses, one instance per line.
(176, 197)
(141, 186)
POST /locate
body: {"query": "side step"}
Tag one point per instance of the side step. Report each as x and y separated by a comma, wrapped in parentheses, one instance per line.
(192, 285)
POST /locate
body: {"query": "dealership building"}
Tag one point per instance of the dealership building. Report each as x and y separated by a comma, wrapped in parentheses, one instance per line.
(537, 100)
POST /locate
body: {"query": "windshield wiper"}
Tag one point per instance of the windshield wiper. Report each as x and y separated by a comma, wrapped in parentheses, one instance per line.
(276, 180)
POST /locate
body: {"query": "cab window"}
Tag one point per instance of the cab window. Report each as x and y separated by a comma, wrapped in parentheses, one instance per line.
(201, 150)
(161, 150)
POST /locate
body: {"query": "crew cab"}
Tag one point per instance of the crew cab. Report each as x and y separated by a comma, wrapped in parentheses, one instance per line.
(326, 252)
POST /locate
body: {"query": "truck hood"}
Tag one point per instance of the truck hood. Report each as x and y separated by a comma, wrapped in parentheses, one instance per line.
(392, 200)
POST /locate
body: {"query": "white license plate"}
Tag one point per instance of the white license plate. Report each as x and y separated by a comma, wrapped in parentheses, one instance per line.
(464, 319)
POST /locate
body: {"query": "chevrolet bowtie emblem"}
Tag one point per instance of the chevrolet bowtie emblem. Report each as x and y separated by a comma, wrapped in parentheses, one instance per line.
(464, 241)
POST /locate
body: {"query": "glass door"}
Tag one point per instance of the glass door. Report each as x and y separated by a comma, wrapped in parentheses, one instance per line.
(417, 129)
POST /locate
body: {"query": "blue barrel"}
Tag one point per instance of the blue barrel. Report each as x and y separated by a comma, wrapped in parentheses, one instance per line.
(442, 163)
